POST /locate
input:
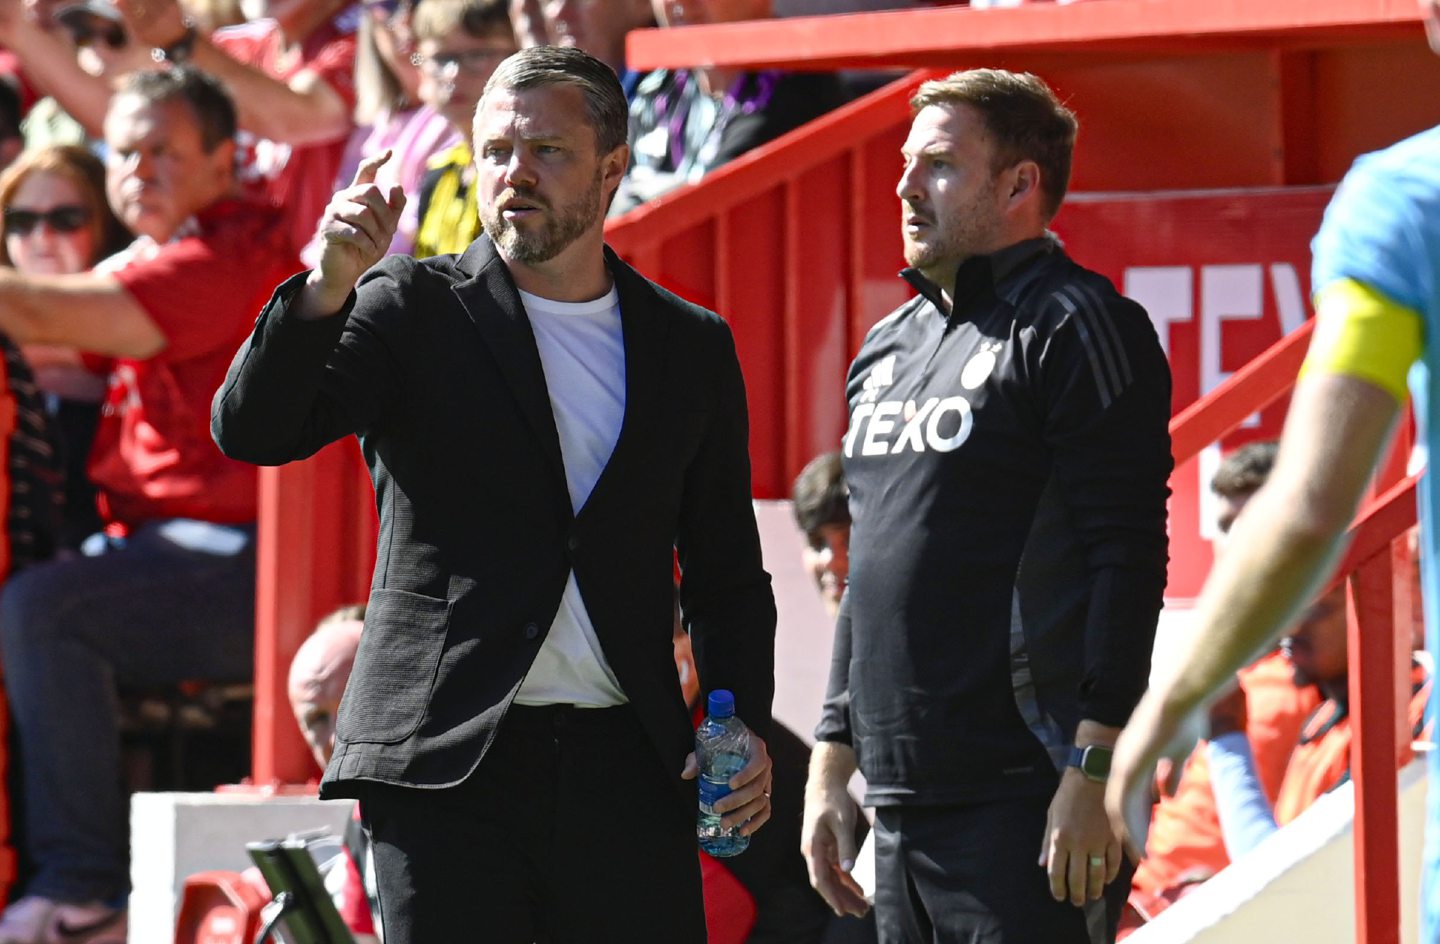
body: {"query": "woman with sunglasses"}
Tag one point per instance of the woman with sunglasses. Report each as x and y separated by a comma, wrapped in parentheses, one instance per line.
(388, 114)
(54, 220)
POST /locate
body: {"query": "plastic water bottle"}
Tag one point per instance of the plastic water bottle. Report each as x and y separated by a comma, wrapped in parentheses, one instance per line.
(722, 749)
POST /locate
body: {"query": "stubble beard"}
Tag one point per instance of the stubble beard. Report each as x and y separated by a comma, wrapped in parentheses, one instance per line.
(566, 224)
(970, 231)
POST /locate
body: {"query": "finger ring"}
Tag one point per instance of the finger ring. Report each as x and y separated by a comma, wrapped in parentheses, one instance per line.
(767, 794)
(1097, 862)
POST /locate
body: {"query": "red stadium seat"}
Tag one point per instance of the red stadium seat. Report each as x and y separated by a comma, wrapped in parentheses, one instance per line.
(218, 908)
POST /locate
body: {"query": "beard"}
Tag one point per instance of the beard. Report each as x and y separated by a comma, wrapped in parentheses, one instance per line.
(969, 231)
(563, 225)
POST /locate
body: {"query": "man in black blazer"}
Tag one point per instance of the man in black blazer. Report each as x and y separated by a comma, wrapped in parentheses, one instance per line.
(545, 429)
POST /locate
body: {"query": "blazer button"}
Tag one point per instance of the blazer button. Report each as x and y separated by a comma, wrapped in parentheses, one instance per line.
(531, 630)
(572, 543)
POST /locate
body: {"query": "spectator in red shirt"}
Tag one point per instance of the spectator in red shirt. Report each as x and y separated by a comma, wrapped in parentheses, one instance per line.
(291, 76)
(167, 592)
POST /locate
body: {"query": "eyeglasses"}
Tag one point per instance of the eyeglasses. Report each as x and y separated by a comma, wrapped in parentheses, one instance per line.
(112, 34)
(471, 60)
(62, 219)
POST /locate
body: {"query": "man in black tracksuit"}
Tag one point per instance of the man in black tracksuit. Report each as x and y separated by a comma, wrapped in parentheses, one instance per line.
(1007, 458)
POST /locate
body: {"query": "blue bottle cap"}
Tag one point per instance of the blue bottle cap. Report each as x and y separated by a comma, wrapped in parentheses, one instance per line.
(721, 703)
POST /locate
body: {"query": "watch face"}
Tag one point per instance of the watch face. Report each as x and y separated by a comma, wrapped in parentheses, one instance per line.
(1096, 763)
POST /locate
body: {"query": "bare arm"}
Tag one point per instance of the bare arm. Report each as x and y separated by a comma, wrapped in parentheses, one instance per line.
(827, 831)
(303, 111)
(49, 61)
(88, 312)
(1281, 551)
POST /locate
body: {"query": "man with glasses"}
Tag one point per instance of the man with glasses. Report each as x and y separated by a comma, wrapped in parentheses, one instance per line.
(166, 593)
(459, 43)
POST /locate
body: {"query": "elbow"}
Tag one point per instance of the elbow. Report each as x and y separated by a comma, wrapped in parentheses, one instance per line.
(231, 434)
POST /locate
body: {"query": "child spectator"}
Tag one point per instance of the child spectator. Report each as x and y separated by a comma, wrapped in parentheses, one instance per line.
(822, 510)
(389, 115)
(460, 43)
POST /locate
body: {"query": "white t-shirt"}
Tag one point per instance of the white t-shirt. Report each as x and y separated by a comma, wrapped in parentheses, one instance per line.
(582, 351)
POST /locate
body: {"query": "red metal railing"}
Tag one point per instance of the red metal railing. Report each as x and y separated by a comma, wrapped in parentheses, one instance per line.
(1379, 605)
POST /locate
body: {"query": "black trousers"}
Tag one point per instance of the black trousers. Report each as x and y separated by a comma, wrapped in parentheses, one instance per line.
(969, 875)
(569, 831)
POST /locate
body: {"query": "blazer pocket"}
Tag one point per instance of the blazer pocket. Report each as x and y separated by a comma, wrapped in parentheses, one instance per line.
(395, 667)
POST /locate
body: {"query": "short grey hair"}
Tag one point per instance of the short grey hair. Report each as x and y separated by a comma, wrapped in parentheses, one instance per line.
(539, 66)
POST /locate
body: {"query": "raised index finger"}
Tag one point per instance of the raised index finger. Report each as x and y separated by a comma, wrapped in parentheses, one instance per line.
(365, 173)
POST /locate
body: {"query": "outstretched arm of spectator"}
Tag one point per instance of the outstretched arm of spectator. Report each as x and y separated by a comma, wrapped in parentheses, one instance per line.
(1244, 813)
(89, 312)
(303, 111)
(1279, 555)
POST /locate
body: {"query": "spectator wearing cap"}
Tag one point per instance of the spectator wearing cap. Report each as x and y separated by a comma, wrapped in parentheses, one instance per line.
(389, 115)
(166, 594)
(685, 123)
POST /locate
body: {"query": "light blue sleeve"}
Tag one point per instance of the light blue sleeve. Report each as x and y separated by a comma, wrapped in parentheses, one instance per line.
(1381, 227)
(1245, 814)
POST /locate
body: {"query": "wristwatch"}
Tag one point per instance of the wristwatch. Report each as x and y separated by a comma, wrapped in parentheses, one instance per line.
(179, 52)
(1093, 761)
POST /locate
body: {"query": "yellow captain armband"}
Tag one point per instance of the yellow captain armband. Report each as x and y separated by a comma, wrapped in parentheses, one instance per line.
(1361, 333)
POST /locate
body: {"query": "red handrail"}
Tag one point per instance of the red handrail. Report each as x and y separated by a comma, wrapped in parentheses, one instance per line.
(1379, 653)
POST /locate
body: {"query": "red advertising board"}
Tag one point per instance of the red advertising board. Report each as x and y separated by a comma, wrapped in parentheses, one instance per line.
(1224, 275)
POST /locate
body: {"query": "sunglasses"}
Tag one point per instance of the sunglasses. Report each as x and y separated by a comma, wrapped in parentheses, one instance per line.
(84, 34)
(62, 219)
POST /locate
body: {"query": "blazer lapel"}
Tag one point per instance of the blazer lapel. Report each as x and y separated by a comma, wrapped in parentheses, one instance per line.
(644, 327)
(490, 299)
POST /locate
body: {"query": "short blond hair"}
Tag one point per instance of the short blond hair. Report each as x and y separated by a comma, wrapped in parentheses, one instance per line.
(435, 19)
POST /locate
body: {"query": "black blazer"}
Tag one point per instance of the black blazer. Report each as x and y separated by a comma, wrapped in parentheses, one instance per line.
(434, 366)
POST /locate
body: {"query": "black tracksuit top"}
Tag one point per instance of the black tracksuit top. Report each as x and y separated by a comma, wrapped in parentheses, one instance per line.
(1008, 471)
